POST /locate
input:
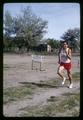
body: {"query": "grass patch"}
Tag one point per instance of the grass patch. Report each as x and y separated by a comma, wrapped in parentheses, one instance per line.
(70, 94)
(76, 75)
(53, 81)
(18, 93)
(62, 106)
(69, 103)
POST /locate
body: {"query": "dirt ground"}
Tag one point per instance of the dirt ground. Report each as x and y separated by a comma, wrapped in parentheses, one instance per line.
(18, 70)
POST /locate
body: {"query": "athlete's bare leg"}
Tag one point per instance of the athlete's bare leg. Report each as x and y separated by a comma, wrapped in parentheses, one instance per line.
(59, 71)
(69, 75)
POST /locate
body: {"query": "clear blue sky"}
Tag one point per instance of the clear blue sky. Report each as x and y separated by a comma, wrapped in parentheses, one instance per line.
(60, 16)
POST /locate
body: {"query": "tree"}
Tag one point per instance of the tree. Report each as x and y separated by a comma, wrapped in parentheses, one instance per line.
(8, 30)
(7, 43)
(30, 27)
(27, 27)
(73, 37)
(8, 24)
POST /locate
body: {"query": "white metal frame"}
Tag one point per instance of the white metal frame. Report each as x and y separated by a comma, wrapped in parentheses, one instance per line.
(39, 59)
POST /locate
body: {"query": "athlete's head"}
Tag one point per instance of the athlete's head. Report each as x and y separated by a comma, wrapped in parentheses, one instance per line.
(65, 44)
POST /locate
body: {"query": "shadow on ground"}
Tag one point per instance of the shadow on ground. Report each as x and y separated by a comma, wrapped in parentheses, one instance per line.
(42, 84)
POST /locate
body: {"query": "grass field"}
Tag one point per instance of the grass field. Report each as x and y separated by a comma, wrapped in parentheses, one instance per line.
(34, 93)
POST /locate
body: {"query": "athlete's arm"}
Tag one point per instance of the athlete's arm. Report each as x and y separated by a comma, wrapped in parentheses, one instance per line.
(69, 54)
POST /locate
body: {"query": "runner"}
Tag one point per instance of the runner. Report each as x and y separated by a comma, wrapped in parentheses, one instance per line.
(65, 63)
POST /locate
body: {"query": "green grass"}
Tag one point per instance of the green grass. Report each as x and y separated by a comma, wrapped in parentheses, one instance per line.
(17, 93)
(76, 75)
(63, 106)
(51, 82)
(20, 92)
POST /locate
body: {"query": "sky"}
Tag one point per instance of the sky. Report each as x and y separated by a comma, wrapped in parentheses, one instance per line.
(60, 16)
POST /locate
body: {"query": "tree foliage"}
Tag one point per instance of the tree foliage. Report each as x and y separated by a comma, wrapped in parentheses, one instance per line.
(73, 37)
(27, 27)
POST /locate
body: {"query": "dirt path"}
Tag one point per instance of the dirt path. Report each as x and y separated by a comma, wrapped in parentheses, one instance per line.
(13, 109)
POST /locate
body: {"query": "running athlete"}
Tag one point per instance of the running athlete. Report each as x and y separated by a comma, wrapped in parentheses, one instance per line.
(65, 63)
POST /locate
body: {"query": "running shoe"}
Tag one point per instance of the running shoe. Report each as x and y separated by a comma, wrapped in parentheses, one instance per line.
(71, 85)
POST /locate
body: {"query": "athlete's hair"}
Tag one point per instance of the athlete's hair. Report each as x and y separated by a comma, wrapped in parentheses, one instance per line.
(65, 42)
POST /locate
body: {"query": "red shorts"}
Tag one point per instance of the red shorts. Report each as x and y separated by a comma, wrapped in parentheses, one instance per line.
(67, 66)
